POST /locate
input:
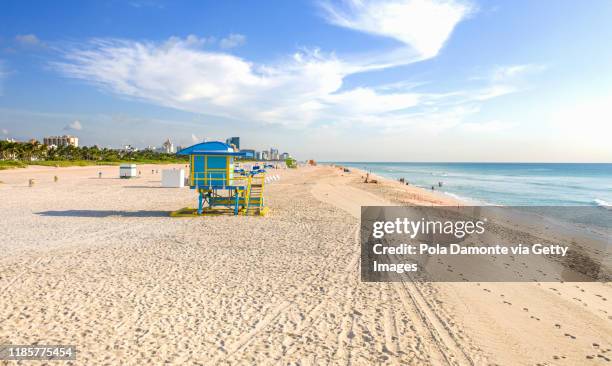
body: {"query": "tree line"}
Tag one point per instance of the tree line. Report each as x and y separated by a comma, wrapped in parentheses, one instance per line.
(35, 151)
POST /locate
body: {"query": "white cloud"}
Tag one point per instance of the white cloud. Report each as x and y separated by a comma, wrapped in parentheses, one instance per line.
(514, 72)
(75, 126)
(306, 89)
(190, 41)
(28, 39)
(179, 76)
(231, 41)
(298, 91)
(423, 25)
(195, 139)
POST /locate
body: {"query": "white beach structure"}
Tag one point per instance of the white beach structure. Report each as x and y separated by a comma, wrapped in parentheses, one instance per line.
(173, 178)
(127, 171)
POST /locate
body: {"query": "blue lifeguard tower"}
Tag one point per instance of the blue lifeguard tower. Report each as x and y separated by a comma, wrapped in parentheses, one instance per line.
(222, 188)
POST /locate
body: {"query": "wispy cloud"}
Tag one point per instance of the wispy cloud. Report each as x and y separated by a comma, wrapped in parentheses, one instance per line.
(422, 25)
(304, 89)
(146, 4)
(190, 41)
(73, 126)
(28, 40)
(301, 90)
(232, 41)
(515, 72)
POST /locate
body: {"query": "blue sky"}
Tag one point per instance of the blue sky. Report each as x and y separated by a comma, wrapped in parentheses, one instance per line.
(392, 80)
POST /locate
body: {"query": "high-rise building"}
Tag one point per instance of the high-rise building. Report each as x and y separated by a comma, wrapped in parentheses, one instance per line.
(61, 140)
(258, 155)
(273, 154)
(265, 155)
(284, 156)
(233, 141)
(167, 147)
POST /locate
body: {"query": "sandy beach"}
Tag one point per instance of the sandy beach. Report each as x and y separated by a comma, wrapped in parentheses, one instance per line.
(98, 263)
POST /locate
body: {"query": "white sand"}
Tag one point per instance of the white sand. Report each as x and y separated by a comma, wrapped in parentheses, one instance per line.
(99, 264)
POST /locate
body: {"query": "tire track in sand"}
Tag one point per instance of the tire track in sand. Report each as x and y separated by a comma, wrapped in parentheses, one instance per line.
(439, 341)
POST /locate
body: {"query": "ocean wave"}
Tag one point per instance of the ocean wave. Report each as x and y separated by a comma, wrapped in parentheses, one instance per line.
(602, 203)
(469, 200)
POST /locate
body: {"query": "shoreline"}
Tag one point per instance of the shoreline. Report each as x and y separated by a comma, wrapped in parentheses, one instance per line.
(413, 194)
(507, 184)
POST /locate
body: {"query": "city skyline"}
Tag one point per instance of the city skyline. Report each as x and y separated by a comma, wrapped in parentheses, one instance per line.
(416, 80)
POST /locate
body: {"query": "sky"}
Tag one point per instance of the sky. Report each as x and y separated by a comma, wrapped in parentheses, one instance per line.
(352, 80)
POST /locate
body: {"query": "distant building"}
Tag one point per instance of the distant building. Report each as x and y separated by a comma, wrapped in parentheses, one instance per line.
(167, 147)
(265, 155)
(258, 155)
(249, 151)
(61, 141)
(284, 156)
(233, 141)
(129, 148)
(273, 154)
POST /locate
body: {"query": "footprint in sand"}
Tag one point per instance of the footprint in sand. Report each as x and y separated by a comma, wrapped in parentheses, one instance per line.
(569, 335)
(535, 317)
(506, 302)
(525, 309)
(604, 357)
(558, 326)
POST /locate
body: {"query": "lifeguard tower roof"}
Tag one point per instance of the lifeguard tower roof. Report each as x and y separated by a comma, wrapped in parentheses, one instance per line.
(213, 148)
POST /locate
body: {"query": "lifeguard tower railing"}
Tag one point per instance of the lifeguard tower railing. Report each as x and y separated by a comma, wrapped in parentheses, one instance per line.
(246, 190)
(212, 179)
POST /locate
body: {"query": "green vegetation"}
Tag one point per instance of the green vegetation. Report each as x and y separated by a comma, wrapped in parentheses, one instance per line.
(21, 154)
(11, 164)
(291, 163)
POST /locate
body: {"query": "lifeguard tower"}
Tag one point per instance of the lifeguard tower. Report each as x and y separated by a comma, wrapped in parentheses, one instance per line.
(222, 188)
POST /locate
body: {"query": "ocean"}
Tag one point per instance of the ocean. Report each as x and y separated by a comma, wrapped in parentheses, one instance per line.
(509, 184)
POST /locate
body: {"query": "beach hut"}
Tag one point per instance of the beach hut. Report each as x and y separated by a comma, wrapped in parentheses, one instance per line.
(221, 187)
(127, 171)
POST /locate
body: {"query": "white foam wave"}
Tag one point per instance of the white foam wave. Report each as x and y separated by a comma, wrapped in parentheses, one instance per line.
(602, 203)
(468, 200)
